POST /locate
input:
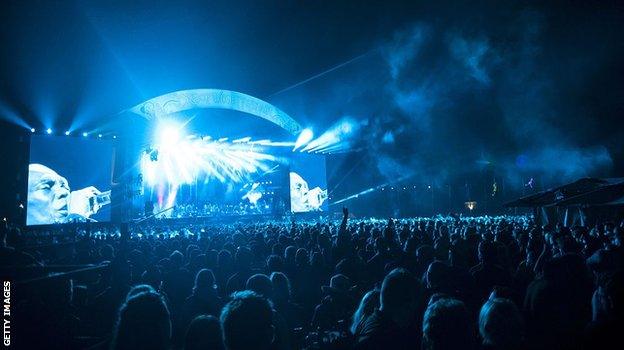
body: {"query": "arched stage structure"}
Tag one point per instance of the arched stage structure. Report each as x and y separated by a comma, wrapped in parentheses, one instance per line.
(215, 98)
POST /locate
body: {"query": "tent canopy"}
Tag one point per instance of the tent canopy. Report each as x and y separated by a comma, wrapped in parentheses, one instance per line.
(585, 192)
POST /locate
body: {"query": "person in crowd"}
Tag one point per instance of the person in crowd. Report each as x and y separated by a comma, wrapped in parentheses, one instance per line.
(557, 305)
(292, 313)
(501, 325)
(368, 305)
(604, 331)
(143, 323)
(247, 322)
(488, 273)
(447, 326)
(337, 305)
(204, 333)
(260, 284)
(393, 324)
(204, 299)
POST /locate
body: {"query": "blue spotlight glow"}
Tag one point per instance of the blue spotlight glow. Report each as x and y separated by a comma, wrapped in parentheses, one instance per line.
(304, 138)
(84, 134)
(336, 138)
(372, 189)
(49, 131)
(168, 135)
(193, 158)
(32, 130)
(67, 133)
(100, 135)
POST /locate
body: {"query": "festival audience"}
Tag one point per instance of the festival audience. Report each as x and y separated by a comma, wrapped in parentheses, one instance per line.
(432, 283)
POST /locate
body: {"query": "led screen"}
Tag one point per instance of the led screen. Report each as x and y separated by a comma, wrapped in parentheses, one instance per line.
(308, 183)
(69, 180)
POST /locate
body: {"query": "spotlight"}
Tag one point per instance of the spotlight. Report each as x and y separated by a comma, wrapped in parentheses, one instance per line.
(67, 133)
(168, 135)
(304, 138)
(32, 130)
(49, 131)
(114, 136)
(100, 135)
(84, 134)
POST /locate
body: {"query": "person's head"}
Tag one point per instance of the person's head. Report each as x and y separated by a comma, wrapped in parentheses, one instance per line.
(398, 295)
(48, 196)
(437, 276)
(204, 281)
(368, 304)
(608, 300)
(224, 258)
(260, 284)
(204, 332)
(500, 324)
(425, 254)
(244, 257)
(446, 325)
(274, 263)
(289, 254)
(247, 322)
(176, 258)
(281, 287)
(138, 289)
(487, 252)
(143, 323)
(301, 258)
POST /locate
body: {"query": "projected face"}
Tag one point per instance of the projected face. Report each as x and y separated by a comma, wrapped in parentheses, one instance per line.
(298, 192)
(48, 196)
(302, 199)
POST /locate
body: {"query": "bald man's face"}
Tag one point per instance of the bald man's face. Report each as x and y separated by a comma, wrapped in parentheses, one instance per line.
(48, 195)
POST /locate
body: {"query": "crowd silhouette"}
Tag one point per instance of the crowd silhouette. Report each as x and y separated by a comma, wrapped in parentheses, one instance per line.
(444, 282)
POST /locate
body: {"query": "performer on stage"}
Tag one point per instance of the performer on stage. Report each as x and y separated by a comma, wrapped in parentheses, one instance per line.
(51, 201)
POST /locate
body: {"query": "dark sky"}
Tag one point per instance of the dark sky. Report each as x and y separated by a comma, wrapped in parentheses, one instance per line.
(446, 87)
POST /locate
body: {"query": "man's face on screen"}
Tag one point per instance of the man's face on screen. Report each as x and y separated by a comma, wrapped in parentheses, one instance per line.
(48, 196)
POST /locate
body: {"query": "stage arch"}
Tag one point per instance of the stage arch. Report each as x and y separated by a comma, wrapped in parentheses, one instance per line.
(215, 98)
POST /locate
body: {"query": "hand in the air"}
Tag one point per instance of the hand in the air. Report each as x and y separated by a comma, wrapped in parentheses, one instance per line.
(345, 211)
(80, 203)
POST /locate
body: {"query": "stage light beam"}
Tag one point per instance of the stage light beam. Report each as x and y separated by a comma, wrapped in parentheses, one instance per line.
(49, 131)
(304, 138)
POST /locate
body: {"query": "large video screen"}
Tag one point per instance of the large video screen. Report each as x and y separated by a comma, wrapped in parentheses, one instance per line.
(69, 180)
(308, 183)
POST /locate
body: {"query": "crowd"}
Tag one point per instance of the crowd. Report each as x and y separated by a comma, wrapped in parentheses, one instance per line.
(432, 283)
